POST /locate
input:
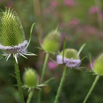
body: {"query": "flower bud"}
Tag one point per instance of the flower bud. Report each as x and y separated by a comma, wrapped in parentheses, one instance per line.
(52, 42)
(30, 78)
(70, 53)
(11, 30)
(98, 65)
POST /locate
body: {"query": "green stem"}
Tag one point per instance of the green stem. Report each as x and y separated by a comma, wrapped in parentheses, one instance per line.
(92, 87)
(30, 96)
(61, 84)
(42, 76)
(18, 81)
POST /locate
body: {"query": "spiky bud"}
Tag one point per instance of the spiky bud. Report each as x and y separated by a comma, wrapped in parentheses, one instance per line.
(11, 30)
(30, 78)
(98, 65)
(12, 38)
(52, 42)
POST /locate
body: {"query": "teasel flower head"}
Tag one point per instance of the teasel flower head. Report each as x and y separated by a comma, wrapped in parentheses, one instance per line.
(12, 37)
(51, 42)
(69, 57)
(31, 80)
(98, 65)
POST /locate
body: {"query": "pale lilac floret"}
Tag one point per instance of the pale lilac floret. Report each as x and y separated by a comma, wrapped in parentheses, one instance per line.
(17, 49)
(60, 60)
(69, 62)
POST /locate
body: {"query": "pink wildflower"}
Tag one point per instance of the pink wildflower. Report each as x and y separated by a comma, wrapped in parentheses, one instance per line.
(52, 65)
(93, 10)
(69, 3)
(53, 3)
(74, 22)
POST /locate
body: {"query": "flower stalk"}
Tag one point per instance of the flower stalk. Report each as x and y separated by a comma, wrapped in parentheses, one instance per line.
(61, 84)
(42, 76)
(91, 89)
(30, 96)
(18, 81)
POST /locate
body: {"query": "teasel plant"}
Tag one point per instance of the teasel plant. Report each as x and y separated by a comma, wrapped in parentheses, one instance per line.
(50, 45)
(70, 58)
(12, 41)
(97, 69)
(31, 82)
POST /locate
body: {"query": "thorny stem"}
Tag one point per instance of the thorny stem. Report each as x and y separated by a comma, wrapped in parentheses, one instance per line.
(61, 84)
(18, 81)
(42, 76)
(92, 87)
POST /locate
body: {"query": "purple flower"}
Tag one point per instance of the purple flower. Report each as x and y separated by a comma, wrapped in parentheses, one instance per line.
(69, 3)
(74, 22)
(69, 62)
(53, 3)
(93, 10)
(52, 65)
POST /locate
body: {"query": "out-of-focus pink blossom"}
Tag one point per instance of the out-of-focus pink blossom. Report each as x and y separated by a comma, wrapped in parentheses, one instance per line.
(48, 10)
(74, 22)
(52, 65)
(9, 4)
(93, 10)
(53, 3)
(91, 65)
(63, 25)
(90, 30)
(69, 3)
(64, 35)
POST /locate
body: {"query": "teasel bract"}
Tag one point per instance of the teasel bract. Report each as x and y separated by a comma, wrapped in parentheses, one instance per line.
(12, 37)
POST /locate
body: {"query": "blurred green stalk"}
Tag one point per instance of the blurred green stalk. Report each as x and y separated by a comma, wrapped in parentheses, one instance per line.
(100, 23)
(18, 81)
(61, 84)
(30, 96)
(42, 76)
(91, 89)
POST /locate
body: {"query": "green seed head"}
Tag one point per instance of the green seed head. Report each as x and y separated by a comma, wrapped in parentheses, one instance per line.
(11, 30)
(52, 42)
(30, 78)
(98, 65)
(70, 53)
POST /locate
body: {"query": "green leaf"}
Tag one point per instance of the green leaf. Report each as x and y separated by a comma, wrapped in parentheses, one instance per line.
(30, 34)
(81, 48)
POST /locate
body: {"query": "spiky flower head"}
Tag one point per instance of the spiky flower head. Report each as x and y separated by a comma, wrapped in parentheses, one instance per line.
(98, 65)
(12, 37)
(11, 30)
(30, 78)
(52, 42)
(70, 57)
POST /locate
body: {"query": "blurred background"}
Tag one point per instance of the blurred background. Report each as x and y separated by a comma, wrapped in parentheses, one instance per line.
(80, 21)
